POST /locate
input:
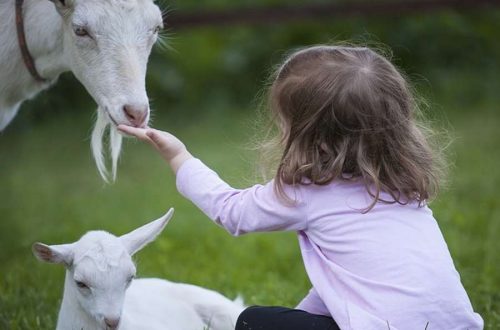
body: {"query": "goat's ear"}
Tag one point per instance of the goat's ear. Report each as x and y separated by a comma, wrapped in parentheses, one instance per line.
(63, 5)
(137, 239)
(55, 254)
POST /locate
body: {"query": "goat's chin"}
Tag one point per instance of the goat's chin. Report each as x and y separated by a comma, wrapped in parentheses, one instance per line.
(114, 146)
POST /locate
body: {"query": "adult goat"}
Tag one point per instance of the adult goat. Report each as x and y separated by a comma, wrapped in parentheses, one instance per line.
(105, 43)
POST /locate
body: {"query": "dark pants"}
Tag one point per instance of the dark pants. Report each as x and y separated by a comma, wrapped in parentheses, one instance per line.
(281, 318)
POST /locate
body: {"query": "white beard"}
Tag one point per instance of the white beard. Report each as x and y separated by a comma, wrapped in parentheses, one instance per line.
(114, 145)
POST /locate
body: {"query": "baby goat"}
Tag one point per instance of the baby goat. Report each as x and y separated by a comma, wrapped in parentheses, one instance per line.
(100, 291)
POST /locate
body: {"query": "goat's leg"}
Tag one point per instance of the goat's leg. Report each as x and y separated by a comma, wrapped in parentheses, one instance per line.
(217, 311)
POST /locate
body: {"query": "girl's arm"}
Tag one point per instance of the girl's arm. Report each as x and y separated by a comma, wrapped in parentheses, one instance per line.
(238, 210)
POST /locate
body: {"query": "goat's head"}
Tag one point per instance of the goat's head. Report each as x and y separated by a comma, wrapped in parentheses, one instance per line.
(100, 268)
(107, 44)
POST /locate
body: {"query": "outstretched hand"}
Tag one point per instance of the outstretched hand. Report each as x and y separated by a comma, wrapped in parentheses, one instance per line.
(170, 148)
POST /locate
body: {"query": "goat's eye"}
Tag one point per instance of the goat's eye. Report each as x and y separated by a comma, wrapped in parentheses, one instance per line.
(81, 285)
(81, 31)
(157, 29)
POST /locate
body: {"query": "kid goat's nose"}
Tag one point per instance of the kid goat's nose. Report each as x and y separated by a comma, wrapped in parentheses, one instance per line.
(112, 323)
(136, 114)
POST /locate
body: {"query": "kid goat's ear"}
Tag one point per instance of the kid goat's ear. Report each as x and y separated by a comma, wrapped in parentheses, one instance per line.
(55, 254)
(137, 239)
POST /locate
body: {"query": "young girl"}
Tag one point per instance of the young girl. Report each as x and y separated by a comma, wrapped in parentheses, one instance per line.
(355, 175)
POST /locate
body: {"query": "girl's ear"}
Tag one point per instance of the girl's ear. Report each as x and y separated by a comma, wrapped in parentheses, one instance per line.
(137, 239)
(55, 254)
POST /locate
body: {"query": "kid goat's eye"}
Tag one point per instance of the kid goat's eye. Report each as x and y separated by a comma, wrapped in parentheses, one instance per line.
(81, 285)
(81, 31)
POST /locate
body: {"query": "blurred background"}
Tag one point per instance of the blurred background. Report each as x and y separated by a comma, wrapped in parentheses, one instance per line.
(205, 88)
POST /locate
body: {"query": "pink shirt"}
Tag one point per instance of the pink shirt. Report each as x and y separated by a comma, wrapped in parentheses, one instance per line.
(388, 268)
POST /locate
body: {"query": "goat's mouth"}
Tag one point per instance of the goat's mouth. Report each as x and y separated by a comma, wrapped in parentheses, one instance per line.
(106, 110)
(130, 123)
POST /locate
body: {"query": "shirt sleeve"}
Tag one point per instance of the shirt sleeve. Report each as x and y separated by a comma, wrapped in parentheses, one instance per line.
(240, 211)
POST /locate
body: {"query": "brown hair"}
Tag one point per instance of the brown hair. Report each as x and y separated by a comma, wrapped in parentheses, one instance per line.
(346, 113)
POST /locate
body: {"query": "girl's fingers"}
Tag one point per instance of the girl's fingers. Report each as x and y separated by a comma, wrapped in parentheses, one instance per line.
(139, 133)
(157, 139)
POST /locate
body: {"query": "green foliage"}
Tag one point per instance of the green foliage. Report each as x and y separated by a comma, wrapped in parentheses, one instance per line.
(229, 66)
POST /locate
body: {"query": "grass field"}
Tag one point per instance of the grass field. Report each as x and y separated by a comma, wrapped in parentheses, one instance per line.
(50, 192)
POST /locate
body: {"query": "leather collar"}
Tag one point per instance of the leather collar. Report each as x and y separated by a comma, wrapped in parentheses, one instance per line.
(21, 38)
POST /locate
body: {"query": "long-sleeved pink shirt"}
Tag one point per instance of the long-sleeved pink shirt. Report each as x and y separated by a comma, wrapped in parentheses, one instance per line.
(389, 268)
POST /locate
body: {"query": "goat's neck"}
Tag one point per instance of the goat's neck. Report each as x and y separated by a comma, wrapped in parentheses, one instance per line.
(71, 314)
(44, 33)
(44, 37)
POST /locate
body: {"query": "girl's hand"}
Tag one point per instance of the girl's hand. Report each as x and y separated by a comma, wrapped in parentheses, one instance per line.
(170, 147)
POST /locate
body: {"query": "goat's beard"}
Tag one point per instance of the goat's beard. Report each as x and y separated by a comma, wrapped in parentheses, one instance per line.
(114, 145)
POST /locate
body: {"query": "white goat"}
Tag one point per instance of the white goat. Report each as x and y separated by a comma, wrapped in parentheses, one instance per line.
(100, 291)
(105, 43)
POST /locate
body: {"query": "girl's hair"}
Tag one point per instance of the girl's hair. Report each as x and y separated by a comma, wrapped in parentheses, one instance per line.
(346, 113)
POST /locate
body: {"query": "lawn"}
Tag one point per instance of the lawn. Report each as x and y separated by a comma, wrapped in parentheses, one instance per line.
(50, 192)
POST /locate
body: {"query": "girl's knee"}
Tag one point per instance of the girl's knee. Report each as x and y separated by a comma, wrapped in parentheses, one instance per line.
(281, 318)
(248, 317)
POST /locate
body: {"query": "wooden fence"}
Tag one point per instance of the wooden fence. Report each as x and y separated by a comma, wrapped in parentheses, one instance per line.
(280, 14)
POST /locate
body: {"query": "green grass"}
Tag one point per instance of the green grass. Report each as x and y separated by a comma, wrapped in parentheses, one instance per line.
(50, 192)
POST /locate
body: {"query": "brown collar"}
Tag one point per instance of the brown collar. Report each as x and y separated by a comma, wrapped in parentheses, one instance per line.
(21, 38)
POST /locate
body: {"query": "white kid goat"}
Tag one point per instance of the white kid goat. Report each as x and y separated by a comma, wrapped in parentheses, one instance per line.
(105, 43)
(100, 291)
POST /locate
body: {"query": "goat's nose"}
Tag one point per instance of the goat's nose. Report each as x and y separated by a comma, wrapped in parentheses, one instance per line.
(136, 114)
(112, 323)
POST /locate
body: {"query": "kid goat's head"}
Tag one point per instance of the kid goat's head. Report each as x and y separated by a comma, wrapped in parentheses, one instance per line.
(107, 44)
(100, 269)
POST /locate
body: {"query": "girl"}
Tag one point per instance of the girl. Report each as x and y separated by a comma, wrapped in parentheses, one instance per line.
(355, 175)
